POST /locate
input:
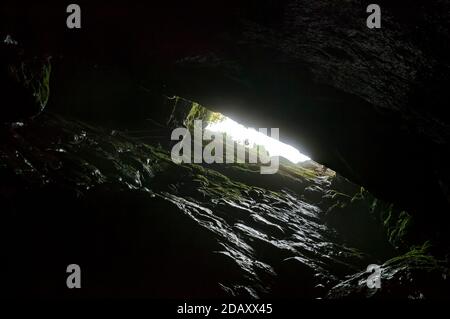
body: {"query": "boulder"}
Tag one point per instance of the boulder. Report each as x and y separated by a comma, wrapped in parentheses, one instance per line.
(24, 81)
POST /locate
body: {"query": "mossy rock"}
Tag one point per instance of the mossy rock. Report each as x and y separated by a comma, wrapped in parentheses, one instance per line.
(25, 83)
(416, 274)
(418, 257)
(398, 226)
(199, 112)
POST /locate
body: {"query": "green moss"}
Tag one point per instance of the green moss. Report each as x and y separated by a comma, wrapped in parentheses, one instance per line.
(246, 167)
(397, 225)
(220, 186)
(394, 225)
(43, 87)
(335, 194)
(387, 219)
(418, 256)
(361, 195)
(297, 171)
(199, 112)
(35, 76)
(403, 224)
(201, 179)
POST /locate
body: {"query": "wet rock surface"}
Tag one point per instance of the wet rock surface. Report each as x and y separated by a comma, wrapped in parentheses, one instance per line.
(414, 275)
(141, 226)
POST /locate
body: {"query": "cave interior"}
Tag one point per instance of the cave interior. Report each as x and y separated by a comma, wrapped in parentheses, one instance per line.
(85, 153)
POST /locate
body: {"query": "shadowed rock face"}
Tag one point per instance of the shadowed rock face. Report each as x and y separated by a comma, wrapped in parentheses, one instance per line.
(25, 82)
(374, 99)
(368, 103)
(141, 226)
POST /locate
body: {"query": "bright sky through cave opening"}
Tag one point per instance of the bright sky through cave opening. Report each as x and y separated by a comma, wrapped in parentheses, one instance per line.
(250, 137)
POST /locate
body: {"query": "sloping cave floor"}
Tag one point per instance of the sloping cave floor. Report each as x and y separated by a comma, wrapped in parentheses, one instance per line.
(141, 226)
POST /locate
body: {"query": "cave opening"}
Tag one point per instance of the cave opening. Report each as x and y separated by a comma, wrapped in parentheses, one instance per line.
(217, 138)
(251, 138)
